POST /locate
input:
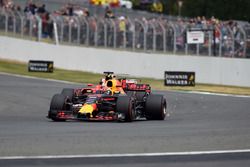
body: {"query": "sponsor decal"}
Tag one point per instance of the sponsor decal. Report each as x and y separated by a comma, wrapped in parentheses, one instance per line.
(40, 66)
(179, 78)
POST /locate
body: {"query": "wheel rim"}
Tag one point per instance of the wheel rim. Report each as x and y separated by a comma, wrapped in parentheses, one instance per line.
(164, 109)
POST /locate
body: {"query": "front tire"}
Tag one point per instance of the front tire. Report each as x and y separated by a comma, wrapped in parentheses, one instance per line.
(155, 107)
(68, 92)
(125, 106)
(57, 103)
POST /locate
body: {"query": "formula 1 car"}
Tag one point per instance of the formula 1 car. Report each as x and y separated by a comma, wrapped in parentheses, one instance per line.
(113, 100)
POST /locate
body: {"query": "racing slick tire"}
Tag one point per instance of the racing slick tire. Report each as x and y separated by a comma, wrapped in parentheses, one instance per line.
(57, 103)
(155, 107)
(125, 106)
(68, 92)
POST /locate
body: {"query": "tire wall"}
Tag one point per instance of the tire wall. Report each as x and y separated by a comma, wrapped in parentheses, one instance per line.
(209, 70)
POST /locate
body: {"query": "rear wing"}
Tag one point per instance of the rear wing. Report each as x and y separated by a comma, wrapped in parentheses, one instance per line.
(138, 87)
(108, 72)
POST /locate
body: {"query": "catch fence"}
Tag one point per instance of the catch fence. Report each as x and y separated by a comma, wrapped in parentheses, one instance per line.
(156, 34)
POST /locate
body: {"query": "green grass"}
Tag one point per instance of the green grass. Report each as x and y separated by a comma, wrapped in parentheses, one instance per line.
(21, 68)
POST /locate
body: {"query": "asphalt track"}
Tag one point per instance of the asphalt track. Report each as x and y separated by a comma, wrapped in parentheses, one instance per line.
(197, 122)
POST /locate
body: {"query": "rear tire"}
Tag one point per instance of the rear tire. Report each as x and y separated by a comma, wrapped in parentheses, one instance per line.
(57, 104)
(155, 107)
(125, 105)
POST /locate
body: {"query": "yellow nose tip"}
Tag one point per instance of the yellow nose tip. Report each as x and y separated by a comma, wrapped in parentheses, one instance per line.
(86, 109)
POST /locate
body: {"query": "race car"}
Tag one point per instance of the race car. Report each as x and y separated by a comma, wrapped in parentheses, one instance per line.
(114, 100)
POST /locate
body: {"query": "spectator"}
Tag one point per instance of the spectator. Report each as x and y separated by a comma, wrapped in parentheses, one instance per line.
(122, 31)
(7, 4)
(157, 7)
(70, 10)
(198, 23)
(109, 14)
(86, 12)
(45, 24)
(78, 11)
(18, 8)
(41, 9)
(30, 8)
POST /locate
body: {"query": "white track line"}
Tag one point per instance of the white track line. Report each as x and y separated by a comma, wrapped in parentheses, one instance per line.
(125, 155)
(32, 77)
(68, 82)
(218, 94)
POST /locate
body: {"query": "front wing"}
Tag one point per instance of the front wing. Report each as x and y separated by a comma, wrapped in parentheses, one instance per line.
(68, 115)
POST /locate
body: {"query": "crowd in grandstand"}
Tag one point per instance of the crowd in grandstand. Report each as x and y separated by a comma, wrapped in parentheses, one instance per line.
(9, 5)
(220, 28)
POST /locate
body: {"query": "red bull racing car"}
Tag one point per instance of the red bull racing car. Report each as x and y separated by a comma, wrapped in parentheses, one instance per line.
(111, 100)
